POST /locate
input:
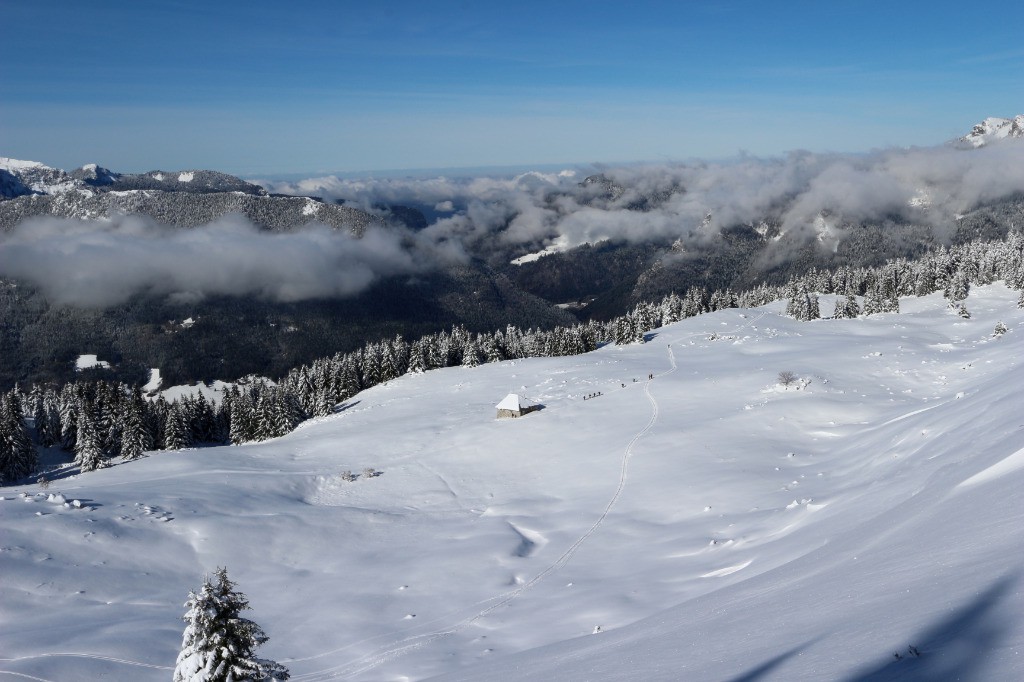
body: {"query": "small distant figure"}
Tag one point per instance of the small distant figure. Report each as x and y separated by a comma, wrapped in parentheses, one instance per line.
(623, 385)
(650, 377)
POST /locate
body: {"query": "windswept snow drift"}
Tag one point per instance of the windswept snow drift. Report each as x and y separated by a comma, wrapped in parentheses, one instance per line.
(706, 525)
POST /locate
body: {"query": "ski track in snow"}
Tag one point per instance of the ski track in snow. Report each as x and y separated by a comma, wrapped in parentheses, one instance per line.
(95, 657)
(414, 642)
(27, 677)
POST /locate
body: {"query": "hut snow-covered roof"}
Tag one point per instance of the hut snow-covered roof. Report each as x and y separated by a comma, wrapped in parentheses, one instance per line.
(511, 402)
(513, 406)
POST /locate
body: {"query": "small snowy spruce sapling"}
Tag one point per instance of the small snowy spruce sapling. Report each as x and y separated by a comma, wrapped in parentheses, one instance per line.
(1000, 329)
(960, 309)
(218, 644)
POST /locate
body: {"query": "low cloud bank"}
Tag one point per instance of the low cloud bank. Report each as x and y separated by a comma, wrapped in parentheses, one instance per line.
(103, 263)
(927, 186)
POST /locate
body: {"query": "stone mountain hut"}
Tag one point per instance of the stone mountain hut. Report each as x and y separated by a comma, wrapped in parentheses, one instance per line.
(513, 406)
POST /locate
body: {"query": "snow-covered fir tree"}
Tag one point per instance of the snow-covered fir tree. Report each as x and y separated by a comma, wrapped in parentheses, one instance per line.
(135, 436)
(958, 288)
(218, 644)
(88, 453)
(803, 305)
(846, 307)
(69, 406)
(471, 355)
(17, 454)
(48, 430)
(417, 358)
(177, 434)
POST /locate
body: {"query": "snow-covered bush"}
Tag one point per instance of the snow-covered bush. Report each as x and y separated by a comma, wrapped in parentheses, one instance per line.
(960, 309)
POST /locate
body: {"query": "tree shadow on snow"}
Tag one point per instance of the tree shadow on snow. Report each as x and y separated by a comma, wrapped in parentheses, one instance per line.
(955, 648)
(52, 475)
(768, 666)
(344, 406)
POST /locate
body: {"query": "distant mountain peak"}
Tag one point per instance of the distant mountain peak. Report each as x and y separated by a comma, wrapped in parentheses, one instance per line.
(993, 129)
(19, 177)
(95, 175)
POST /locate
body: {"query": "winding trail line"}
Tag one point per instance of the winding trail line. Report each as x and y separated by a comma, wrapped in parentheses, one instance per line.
(95, 657)
(25, 676)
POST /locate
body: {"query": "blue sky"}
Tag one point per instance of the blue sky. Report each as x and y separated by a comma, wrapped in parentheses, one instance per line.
(260, 88)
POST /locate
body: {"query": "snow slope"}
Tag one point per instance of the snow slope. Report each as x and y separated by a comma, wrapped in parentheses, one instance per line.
(708, 524)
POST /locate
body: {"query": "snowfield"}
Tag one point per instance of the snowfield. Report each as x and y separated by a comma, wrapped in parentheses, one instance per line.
(90, 362)
(708, 524)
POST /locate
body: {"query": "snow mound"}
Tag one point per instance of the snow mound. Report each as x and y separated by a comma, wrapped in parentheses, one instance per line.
(530, 541)
(1001, 468)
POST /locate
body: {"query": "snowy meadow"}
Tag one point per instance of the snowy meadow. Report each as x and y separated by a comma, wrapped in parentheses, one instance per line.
(862, 521)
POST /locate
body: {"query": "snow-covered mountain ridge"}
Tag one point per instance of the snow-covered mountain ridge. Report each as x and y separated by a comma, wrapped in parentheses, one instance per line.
(708, 524)
(19, 177)
(994, 129)
(38, 178)
(191, 198)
